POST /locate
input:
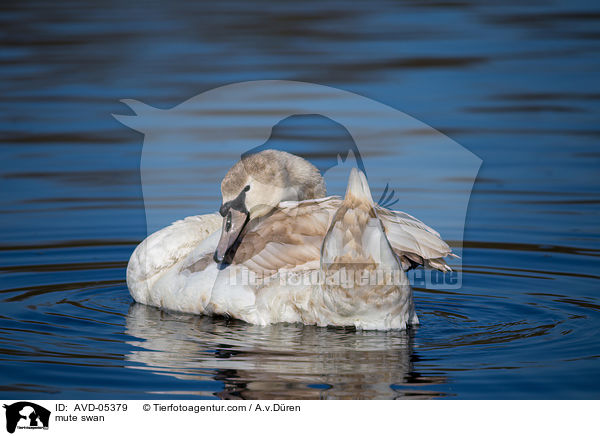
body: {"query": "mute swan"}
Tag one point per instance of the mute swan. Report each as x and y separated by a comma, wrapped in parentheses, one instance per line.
(281, 251)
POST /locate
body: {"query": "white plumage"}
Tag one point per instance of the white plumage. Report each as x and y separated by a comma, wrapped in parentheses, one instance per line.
(323, 261)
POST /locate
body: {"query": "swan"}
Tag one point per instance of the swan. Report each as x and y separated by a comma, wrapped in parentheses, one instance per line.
(281, 250)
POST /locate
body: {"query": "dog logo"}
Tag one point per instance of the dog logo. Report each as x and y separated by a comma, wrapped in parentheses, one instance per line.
(26, 415)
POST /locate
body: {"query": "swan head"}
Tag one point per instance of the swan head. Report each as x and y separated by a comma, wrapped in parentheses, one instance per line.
(256, 184)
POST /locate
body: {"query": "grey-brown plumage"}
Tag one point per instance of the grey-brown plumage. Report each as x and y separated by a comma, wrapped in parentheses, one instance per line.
(291, 171)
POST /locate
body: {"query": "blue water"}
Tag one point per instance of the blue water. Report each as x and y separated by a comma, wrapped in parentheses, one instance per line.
(515, 84)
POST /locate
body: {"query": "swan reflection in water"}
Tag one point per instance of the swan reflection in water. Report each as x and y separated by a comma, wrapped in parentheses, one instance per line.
(281, 361)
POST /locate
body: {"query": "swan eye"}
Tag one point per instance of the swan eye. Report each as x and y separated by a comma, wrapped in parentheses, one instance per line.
(247, 188)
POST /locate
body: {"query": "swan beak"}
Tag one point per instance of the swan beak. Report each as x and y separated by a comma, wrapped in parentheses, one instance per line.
(233, 224)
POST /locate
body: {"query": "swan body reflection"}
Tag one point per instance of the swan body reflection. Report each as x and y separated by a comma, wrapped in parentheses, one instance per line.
(231, 359)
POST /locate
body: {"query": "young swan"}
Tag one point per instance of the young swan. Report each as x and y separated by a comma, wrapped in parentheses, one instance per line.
(255, 185)
(278, 226)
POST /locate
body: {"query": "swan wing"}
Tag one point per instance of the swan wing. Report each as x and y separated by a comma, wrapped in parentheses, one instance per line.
(290, 238)
(415, 242)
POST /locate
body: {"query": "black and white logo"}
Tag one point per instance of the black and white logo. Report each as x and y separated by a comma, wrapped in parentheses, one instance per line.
(26, 415)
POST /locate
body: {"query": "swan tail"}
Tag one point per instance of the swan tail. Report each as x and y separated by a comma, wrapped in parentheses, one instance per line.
(361, 275)
(356, 235)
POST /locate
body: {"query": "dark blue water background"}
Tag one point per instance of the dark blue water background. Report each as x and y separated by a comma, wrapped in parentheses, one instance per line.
(516, 84)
